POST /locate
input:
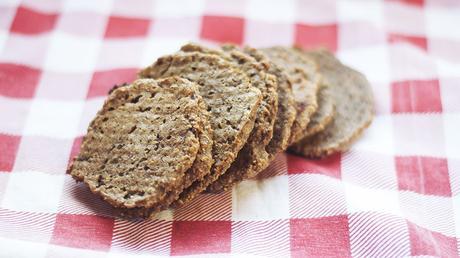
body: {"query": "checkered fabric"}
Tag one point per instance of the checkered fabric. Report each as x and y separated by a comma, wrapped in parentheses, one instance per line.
(396, 193)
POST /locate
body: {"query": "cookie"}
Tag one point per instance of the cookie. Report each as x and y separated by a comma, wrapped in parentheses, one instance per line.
(324, 113)
(302, 72)
(149, 140)
(253, 155)
(232, 101)
(353, 113)
(266, 83)
(286, 112)
(285, 116)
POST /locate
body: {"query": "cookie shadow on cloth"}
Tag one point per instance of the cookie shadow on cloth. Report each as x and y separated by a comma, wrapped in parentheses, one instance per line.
(85, 202)
(277, 167)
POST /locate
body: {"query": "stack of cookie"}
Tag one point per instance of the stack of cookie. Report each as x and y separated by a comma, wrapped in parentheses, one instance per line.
(205, 119)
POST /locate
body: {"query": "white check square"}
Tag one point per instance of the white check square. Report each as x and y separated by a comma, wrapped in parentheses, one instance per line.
(57, 119)
(22, 249)
(178, 8)
(156, 47)
(447, 68)
(315, 12)
(271, 10)
(261, 200)
(89, 112)
(378, 138)
(18, 49)
(134, 8)
(70, 252)
(44, 154)
(456, 208)
(100, 6)
(361, 11)
(120, 53)
(370, 169)
(404, 19)
(33, 191)
(13, 122)
(3, 183)
(419, 134)
(363, 199)
(443, 23)
(266, 238)
(358, 34)
(63, 86)
(225, 7)
(411, 63)
(373, 229)
(372, 61)
(452, 136)
(10, 3)
(3, 37)
(42, 6)
(315, 196)
(258, 33)
(68, 53)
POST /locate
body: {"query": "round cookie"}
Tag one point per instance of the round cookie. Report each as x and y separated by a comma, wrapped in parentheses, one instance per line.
(302, 72)
(286, 104)
(354, 108)
(324, 113)
(266, 83)
(148, 141)
(232, 101)
(253, 155)
(285, 116)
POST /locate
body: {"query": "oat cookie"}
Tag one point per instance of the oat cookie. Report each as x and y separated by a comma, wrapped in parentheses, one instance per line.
(149, 139)
(354, 108)
(285, 116)
(253, 156)
(232, 101)
(324, 113)
(302, 72)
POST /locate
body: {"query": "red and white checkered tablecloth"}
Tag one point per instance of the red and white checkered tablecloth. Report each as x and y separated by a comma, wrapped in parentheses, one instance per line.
(396, 193)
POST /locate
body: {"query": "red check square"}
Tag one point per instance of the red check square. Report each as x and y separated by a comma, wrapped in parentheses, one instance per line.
(18, 81)
(425, 242)
(149, 237)
(28, 21)
(411, 2)
(329, 166)
(311, 36)
(320, 237)
(75, 148)
(416, 96)
(223, 29)
(126, 27)
(83, 231)
(9, 146)
(420, 42)
(425, 175)
(103, 81)
(199, 237)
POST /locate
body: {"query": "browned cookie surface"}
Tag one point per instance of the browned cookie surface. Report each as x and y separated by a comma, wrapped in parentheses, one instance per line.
(260, 79)
(324, 113)
(253, 156)
(149, 139)
(285, 116)
(354, 108)
(231, 99)
(302, 73)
